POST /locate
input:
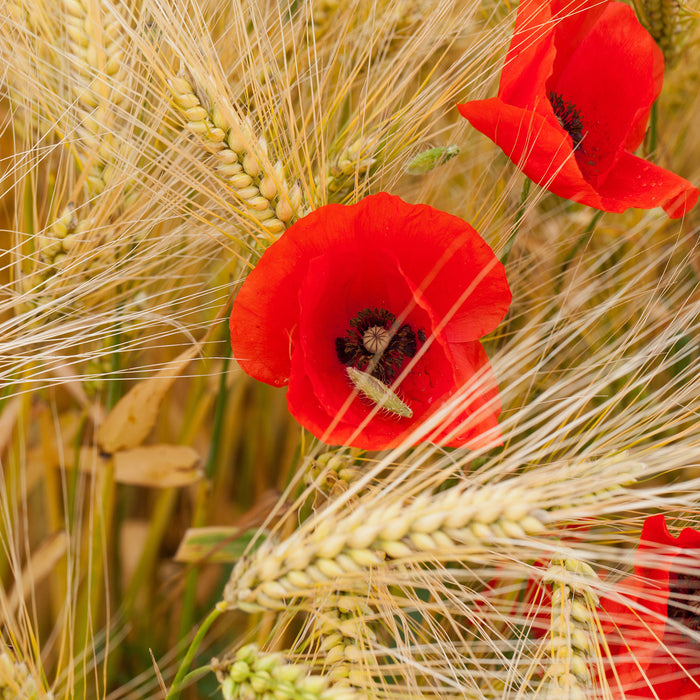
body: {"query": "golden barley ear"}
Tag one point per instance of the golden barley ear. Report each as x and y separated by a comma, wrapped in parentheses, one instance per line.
(572, 640)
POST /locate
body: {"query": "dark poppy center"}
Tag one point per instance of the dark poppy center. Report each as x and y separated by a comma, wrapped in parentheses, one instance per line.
(376, 344)
(568, 116)
(684, 599)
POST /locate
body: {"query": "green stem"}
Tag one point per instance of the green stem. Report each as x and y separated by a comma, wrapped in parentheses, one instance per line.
(653, 122)
(518, 220)
(195, 675)
(178, 684)
(219, 410)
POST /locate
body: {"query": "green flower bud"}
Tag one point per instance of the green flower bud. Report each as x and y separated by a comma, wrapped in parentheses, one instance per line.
(427, 160)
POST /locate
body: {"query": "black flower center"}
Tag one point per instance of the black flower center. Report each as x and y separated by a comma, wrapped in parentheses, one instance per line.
(568, 116)
(684, 600)
(375, 344)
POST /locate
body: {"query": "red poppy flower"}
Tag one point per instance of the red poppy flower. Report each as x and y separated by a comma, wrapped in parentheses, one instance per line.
(647, 620)
(393, 292)
(575, 94)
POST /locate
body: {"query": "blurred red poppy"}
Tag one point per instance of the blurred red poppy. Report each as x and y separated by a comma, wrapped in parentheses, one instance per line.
(394, 292)
(576, 91)
(649, 620)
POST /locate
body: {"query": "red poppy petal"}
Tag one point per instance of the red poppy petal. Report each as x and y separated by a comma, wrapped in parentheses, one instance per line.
(265, 311)
(540, 149)
(573, 19)
(304, 405)
(529, 60)
(655, 532)
(674, 672)
(688, 538)
(443, 257)
(337, 287)
(374, 432)
(476, 426)
(635, 182)
(633, 625)
(340, 260)
(612, 77)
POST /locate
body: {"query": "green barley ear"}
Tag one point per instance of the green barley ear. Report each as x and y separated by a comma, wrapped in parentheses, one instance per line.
(354, 161)
(255, 674)
(16, 681)
(379, 393)
(664, 20)
(331, 475)
(428, 160)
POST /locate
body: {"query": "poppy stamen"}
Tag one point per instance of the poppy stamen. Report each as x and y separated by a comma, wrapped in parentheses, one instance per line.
(568, 116)
(374, 344)
(683, 603)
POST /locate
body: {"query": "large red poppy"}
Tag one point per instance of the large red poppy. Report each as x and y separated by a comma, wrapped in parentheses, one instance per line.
(576, 90)
(647, 618)
(399, 291)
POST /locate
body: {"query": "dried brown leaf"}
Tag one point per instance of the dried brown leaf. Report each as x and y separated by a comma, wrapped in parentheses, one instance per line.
(132, 419)
(159, 466)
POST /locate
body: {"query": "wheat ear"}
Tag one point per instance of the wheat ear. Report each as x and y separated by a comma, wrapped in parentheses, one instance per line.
(352, 162)
(96, 43)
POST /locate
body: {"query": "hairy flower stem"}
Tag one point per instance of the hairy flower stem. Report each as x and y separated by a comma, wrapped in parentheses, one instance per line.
(178, 685)
(652, 134)
(518, 220)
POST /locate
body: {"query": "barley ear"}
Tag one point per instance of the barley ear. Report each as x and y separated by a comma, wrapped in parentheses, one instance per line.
(663, 20)
(242, 156)
(16, 681)
(253, 674)
(430, 527)
(572, 637)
